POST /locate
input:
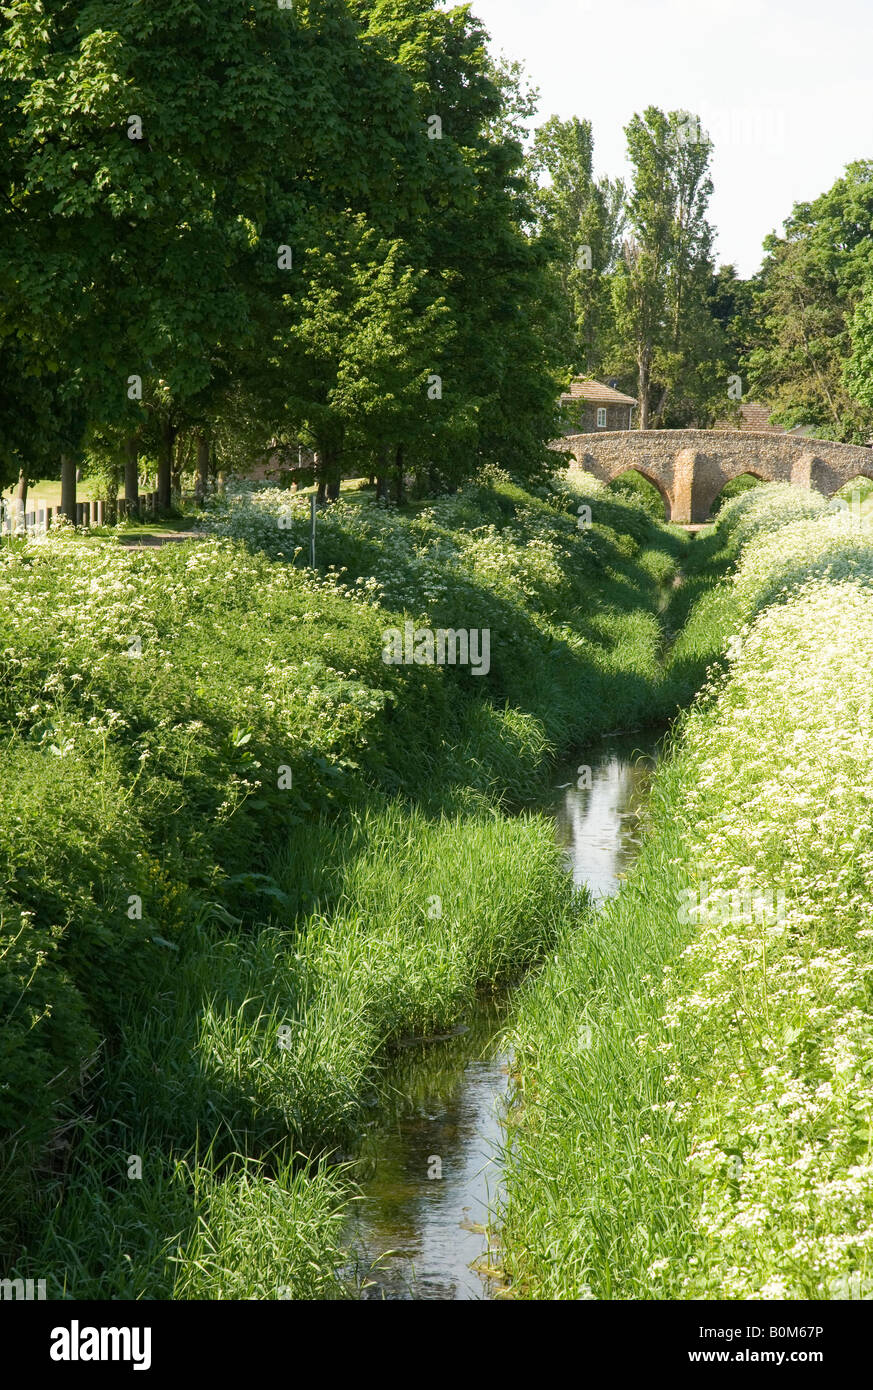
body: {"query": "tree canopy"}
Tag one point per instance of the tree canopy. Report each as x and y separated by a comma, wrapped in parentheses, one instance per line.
(811, 315)
(302, 217)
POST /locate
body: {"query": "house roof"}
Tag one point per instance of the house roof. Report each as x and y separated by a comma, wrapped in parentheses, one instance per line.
(583, 388)
(754, 416)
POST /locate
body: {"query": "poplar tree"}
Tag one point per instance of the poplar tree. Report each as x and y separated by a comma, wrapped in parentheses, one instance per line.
(583, 218)
(662, 284)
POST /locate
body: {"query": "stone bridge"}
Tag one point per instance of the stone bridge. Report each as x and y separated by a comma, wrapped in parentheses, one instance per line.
(690, 467)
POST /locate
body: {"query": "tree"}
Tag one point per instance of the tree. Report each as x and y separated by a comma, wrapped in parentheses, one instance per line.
(169, 238)
(582, 219)
(811, 284)
(733, 306)
(858, 374)
(361, 346)
(474, 244)
(661, 288)
(153, 208)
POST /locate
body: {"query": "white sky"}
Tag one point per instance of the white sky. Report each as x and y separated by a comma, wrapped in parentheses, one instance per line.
(783, 86)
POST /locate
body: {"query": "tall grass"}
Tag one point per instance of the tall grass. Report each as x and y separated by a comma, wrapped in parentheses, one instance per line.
(270, 1041)
(595, 1171)
(695, 1112)
(232, 1036)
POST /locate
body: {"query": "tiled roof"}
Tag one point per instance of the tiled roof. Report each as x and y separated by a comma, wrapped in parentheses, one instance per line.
(584, 389)
(753, 417)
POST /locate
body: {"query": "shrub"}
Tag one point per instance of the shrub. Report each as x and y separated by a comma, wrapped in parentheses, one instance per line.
(767, 508)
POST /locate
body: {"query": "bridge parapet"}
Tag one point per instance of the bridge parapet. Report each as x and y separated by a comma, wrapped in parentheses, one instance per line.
(690, 467)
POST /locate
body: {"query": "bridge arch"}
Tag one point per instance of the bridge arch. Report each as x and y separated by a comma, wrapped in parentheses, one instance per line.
(692, 466)
(868, 477)
(652, 478)
(749, 478)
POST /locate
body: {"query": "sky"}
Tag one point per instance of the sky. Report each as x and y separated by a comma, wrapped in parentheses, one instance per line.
(784, 88)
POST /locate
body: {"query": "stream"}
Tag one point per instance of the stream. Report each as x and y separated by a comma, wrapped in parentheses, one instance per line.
(430, 1168)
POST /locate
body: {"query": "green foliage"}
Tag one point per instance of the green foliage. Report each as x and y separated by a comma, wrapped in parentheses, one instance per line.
(735, 488)
(582, 217)
(633, 484)
(807, 356)
(662, 285)
(277, 250)
(858, 372)
(151, 702)
(497, 558)
(709, 1031)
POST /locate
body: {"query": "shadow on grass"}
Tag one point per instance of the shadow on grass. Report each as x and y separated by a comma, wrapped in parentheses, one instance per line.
(186, 1072)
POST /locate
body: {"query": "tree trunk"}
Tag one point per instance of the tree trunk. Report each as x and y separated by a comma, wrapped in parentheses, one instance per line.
(643, 392)
(178, 466)
(68, 488)
(382, 475)
(333, 473)
(131, 476)
(165, 466)
(398, 480)
(327, 474)
(202, 486)
(21, 489)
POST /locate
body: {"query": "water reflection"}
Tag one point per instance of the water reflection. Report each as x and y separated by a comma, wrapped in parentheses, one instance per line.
(430, 1169)
(598, 810)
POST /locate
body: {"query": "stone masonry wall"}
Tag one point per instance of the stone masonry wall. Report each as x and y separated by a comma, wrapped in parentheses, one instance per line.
(690, 467)
(582, 416)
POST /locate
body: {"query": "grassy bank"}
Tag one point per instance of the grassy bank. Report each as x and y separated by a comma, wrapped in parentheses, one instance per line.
(695, 1109)
(242, 855)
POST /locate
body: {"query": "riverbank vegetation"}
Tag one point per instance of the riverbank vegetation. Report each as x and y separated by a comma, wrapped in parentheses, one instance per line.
(243, 856)
(255, 832)
(694, 1105)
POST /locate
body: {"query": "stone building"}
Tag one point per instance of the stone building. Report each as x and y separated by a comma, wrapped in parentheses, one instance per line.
(755, 417)
(590, 406)
(281, 463)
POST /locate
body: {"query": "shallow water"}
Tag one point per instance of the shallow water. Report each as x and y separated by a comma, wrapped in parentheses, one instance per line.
(430, 1170)
(598, 826)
